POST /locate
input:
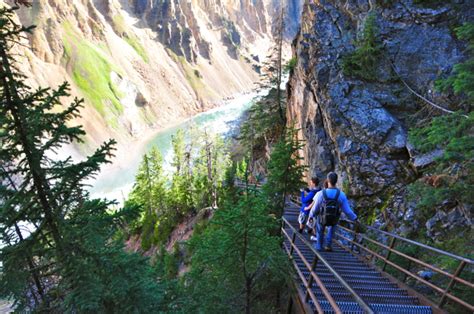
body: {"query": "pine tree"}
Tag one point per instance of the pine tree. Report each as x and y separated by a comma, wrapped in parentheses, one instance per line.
(364, 60)
(210, 166)
(181, 190)
(285, 172)
(57, 252)
(236, 261)
(150, 193)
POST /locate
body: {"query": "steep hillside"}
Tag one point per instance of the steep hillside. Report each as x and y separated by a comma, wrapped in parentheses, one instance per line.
(354, 117)
(145, 64)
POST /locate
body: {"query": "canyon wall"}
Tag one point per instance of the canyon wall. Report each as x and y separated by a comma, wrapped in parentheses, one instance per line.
(142, 65)
(358, 127)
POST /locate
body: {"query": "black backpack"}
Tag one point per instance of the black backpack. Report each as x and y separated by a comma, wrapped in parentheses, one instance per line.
(330, 211)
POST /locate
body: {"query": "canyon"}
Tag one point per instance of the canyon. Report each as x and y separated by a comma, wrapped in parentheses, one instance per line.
(144, 65)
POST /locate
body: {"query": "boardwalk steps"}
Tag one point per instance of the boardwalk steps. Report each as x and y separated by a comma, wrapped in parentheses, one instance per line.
(378, 292)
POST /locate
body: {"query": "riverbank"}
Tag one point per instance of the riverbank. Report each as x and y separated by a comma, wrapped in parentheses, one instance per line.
(116, 179)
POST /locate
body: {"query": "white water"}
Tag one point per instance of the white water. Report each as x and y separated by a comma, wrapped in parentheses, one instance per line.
(116, 182)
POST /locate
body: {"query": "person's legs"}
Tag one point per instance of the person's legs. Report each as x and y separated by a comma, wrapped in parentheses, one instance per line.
(329, 236)
(320, 236)
(301, 220)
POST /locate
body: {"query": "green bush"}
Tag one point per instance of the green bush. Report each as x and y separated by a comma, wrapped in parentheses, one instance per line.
(461, 80)
(363, 62)
(290, 66)
(451, 177)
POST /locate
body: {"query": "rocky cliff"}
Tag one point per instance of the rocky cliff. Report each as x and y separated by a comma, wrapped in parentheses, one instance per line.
(358, 126)
(142, 65)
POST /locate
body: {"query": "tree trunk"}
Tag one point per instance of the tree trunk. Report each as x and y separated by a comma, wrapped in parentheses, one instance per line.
(32, 155)
(248, 294)
(279, 67)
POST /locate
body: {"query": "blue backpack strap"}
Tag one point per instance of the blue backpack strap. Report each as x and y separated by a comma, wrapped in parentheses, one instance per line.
(325, 195)
(337, 194)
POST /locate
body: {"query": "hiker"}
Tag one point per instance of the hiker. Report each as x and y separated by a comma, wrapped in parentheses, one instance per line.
(306, 199)
(311, 221)
(325, 184)
(326, 209)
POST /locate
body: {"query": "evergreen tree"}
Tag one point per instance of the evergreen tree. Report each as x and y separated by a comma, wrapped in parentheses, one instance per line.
(236, 261)
(363, 62)
(210, 167)
(181, 189)
(454, 170)
(57, 252)
(262, 128)
(285, 172)
(150, 193)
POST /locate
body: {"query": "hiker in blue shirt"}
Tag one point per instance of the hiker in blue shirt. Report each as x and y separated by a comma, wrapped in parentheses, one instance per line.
(306, 199)
(322, 201)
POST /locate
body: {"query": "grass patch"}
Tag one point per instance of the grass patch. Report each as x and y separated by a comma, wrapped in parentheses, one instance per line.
(131, 39)
(91, 72)
(192, 75)
(133, 42)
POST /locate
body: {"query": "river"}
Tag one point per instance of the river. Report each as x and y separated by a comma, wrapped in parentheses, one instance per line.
(115, 182)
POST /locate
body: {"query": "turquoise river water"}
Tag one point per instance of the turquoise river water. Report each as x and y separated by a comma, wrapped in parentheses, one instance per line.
(115, 182)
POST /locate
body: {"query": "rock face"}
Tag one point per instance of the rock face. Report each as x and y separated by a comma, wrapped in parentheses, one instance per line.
(359, 128)
(144, 64)
(179, 26)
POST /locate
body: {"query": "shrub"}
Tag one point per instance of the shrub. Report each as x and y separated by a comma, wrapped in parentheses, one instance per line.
(364, 60)
(461, 80)
(290, 66)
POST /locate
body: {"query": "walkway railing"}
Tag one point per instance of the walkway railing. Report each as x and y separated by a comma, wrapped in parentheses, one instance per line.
(313, 277)
(454, 278)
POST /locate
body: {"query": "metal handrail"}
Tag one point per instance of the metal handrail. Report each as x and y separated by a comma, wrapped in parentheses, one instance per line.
(454, 278)
(319, 257)
(427, 247)
(391, 249)
(408, 257)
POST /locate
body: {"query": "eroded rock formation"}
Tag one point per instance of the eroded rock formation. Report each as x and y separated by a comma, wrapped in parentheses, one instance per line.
(141, 65)
(359, 127)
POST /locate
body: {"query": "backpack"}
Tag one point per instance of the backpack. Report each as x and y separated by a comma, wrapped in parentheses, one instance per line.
(330, 211)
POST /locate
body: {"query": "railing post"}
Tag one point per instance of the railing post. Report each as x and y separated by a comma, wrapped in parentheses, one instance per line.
(389, 252)
(293, 238)
(289, 308)
(310, 279)
(408, 269)
(451, 283)
(355, 237)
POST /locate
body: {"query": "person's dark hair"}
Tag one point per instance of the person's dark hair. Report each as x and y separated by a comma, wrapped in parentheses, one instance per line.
(332, 178)
(325, 184)
(315, 180)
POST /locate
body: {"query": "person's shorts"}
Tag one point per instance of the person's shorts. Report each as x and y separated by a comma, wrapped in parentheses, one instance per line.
(311, 223)
(302, 218)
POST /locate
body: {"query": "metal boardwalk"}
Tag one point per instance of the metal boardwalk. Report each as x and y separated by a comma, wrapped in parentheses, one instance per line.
(340, 282)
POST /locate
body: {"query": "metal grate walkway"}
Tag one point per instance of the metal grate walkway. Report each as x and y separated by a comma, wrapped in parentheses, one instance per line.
(371, 291)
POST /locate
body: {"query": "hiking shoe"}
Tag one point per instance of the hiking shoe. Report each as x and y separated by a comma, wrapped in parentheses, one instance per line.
(313, 238)
(328, 249)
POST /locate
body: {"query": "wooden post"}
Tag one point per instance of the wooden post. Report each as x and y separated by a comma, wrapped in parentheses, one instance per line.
(355, 238)
(293, 238)
(458, 271)
(310, 279)
(408, 268)
(392, 244)
(290, 305)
